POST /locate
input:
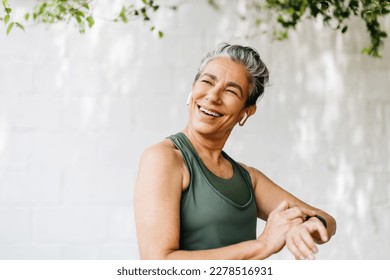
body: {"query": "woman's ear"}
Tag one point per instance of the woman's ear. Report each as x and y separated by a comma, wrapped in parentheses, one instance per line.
(248, 112)
(251, 110)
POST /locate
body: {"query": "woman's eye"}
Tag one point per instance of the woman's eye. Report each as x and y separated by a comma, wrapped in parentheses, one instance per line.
(231, 91)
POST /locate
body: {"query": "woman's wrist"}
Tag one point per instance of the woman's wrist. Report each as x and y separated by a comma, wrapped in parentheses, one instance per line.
(264, 248)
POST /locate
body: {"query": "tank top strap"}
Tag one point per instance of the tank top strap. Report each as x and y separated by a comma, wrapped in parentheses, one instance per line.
(181, 142)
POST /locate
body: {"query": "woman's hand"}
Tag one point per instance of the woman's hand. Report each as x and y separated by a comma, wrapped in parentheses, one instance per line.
(302, 238)
(284, 218)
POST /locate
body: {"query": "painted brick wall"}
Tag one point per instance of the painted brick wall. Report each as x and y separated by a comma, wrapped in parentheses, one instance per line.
(76, 111)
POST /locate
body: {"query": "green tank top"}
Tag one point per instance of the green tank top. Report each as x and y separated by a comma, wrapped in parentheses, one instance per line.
(209, 216)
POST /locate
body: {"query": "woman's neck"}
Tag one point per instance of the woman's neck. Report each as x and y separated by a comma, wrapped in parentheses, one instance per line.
(207, 146)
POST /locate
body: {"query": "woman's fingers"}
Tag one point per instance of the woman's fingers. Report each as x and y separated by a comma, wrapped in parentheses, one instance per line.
(308, 212)
(306, 245)
(284, 205)
(290, 220)
(288, 225)
(296, 221)
(293, 211)
(301, 244)
(316, 225)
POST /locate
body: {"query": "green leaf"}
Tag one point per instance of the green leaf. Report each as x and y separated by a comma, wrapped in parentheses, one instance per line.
(19, 25)
(90, 21)
(345, 28)
(79, 13)
(122, 15)
(6, 19)
(160, 34)
(9, 27)
(27, 17)
(8, 10)
(78, 19)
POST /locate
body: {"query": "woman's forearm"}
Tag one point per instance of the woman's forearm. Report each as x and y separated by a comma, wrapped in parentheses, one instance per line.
(247, 250)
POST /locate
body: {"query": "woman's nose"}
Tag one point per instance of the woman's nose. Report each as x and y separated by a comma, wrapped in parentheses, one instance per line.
(214, 95)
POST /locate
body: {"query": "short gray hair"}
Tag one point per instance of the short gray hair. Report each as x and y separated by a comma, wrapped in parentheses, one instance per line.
(258, 73)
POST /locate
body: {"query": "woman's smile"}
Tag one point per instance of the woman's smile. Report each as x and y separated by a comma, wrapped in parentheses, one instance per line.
(209, 112)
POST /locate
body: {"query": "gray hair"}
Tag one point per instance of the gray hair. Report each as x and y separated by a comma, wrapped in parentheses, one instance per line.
(258, 73)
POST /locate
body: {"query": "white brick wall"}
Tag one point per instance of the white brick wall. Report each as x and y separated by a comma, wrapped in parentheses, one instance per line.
(76, 111)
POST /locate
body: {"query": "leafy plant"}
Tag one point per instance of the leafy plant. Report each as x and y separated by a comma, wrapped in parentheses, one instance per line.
(80, 13)
(287, 14)
(54, 11)
(8, 22)
(130, 12)
(334, 14)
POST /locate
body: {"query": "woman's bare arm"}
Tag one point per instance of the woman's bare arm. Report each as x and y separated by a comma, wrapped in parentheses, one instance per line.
(269, 195)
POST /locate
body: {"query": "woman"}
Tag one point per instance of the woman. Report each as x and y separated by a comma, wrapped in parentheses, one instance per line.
(192, 201)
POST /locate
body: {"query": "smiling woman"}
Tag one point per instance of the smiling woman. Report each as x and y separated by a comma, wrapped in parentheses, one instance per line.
(219, 95)
(193, 201)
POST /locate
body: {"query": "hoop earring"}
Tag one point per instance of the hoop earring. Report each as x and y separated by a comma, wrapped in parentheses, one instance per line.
(243, 120)
(189, 97)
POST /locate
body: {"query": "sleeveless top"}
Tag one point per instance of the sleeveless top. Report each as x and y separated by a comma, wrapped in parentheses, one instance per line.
(208, 217)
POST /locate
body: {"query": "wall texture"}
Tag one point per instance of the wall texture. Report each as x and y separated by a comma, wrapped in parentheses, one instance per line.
(76, 111)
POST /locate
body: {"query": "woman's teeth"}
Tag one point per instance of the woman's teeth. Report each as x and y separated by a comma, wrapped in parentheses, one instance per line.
(209, 112)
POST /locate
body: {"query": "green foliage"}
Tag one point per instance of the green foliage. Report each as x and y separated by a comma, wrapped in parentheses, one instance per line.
(80, 13)
(286, 13)
(54, 11)
(281, 16)
(130, 12)
(8, 22)
(334, 14)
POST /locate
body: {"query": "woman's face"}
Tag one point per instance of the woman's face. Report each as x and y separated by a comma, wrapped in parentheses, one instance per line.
(218, 97)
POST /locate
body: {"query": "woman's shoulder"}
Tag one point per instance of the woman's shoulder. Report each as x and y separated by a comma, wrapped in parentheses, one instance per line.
(254, 173)
(164, 160)
(164, 151)
(251, 170)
